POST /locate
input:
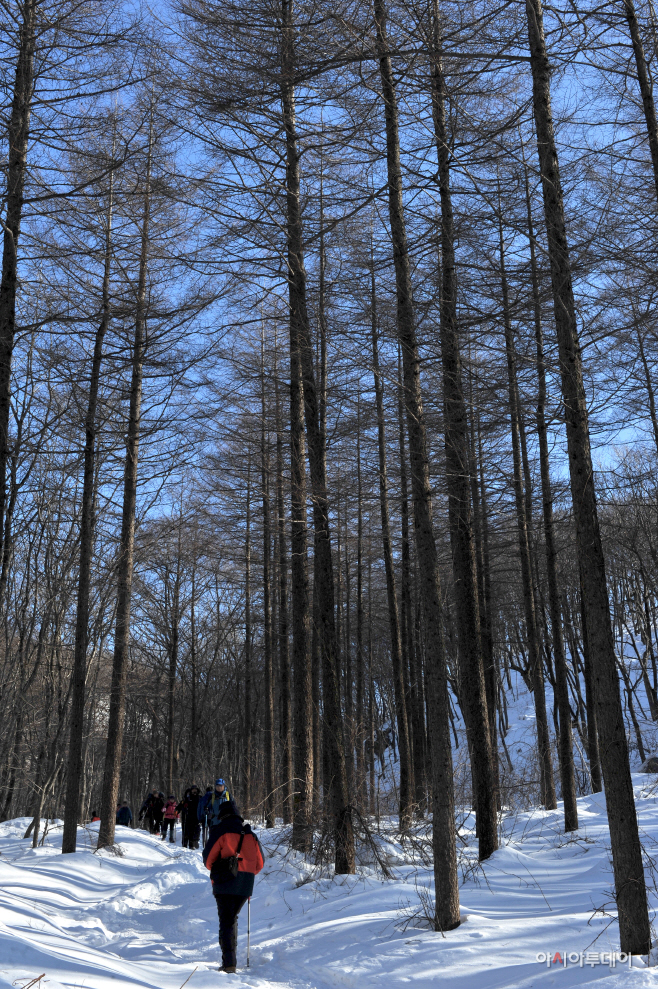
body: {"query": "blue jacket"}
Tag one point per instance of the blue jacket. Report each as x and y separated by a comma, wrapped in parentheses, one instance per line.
(124, 816)
(209, 806)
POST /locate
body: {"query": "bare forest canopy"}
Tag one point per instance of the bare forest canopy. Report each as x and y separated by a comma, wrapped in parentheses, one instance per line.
(328, 429)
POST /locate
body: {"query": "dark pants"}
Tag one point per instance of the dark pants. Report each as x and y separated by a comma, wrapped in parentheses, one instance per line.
(153, 823)
(191, 832)
(228, 908)
(171, 825)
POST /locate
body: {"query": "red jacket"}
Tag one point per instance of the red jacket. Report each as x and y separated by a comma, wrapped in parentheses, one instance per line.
(170, 813)
(250, 859)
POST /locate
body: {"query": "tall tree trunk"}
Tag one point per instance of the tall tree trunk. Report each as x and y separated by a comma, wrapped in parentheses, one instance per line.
(548, 797)
(443, 805)
(193, 676)
(283, 643)
(646, 88)
(409, 651)
(474, 698)
(648, 383)
(406, 768)
(117, 711)
(248, 659)
(628, 868)
(172, 648)
(360, 665)
(593, 752)
(74, 768)
(483, 577)
(18, 133)
(565, 745)
(338, 798)
(268, 726)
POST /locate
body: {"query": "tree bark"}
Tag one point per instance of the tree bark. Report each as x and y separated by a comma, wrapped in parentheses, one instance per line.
(548, 797)
(565, 744)
(443, 817)
(409, 651)
(248, 659)
(117, 710)
(74, 768)
(646, 88)
(283, 643)
(18, 133)
(172, 649)
(458, 477)
(338, 798)
(628, 868)
(406, 767)
(360, 664)
(268, 726)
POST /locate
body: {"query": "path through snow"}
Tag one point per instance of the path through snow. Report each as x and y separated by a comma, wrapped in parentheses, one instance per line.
(147, 918)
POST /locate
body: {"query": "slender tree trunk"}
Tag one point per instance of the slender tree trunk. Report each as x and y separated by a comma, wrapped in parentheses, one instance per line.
(482, 558)
(338, 798)
(593, 752)
(474, 698)
(626, 849)
(443, 816)
(371, 701)
(409, 651)
(284, 649)
(18, 133)
(406, 768)
(117, 709)
(536, 667)
(74, 768)
(268, 726)
(646, 88)
(648, 384)
(193, 676)
(172, 647)
(248, 685)
(360, 664)
(302, 685)
(567, 772)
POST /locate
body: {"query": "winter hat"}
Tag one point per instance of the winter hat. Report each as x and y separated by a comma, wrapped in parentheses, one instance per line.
(220, 783)
(228, 809)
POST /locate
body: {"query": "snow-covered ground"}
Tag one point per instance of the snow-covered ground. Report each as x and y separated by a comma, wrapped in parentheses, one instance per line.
(147, 918)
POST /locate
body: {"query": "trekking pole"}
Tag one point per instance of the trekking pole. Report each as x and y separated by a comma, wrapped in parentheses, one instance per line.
(248, 928)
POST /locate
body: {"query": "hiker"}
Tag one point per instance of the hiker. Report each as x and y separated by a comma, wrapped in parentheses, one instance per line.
(124, 815)
(94, 816)
(152, 810)
(212, 801)
(201, 812)
(169, 819)
(189, 816)
(234, 857)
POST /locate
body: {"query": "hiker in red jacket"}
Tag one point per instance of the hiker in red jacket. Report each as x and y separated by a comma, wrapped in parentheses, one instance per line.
(170, 818)
(234, 857)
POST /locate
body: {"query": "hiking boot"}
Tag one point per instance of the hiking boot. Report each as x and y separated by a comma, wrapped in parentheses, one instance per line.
(229, 969)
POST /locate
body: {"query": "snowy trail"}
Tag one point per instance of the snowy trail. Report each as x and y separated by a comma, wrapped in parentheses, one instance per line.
(147, 918)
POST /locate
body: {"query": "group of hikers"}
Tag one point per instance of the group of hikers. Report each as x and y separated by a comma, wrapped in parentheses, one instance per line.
(194, 812)
(231, 851)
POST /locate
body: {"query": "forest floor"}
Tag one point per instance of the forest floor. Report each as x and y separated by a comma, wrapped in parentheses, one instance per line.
(146, 918)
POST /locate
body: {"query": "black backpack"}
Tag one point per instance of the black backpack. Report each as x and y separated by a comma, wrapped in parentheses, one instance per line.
(226, 869)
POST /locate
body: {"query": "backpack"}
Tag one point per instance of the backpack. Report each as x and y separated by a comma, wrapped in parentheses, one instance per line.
(226, 869)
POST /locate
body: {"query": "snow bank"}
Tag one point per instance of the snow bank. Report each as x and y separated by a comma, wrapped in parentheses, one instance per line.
(146, 918)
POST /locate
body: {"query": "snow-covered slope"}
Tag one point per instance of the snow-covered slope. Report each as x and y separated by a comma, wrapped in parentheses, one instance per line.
(147, 918)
